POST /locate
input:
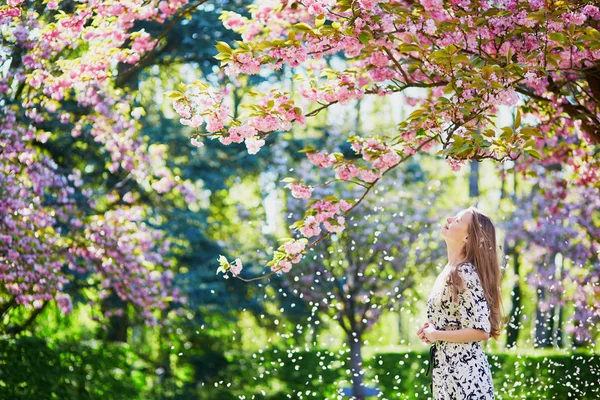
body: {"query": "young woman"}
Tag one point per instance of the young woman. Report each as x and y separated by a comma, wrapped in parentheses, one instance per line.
(463, 308)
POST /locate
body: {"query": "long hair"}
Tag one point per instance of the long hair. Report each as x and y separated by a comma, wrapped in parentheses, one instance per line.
(480, 250)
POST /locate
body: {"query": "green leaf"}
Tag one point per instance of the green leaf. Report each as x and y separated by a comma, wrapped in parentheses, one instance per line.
(320, 21)
(534, 153)
(174, 94)
(507, 132)
(477, 62)
(242, 45)
(201, 85)
(441, 53)
(364, 38)
(531, 131)
(222, 57)
(558, 36)
(405, 47)
(517, 119)
(224, 48)
(307, 149)
(489, 133)
(303, 26)
(462, 58)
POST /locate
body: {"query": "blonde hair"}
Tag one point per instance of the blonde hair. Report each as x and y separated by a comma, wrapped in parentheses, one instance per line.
(480, 250)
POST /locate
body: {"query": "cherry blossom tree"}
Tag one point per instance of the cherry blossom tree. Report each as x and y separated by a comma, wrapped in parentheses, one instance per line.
(559, 224)
(467, 57)
(78, 220)
(356, 275)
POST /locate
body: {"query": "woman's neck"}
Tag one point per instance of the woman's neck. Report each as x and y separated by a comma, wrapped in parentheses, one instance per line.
(454, 254)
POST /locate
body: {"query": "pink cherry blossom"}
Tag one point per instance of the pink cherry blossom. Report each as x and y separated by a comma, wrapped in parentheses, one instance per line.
(254, 144)
(301, 191)
(311, 227)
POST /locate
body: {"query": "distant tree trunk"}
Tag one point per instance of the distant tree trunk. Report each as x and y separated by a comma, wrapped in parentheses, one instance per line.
(117, 325)
(474, 180)
(514, 320)
(561, 310)
(400, 326)
(356, 377)
(543, 322)
(163, 380)
(358, 121)
(514, 324)
(558, 335)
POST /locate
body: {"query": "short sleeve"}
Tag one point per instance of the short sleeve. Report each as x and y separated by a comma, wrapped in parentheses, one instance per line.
(473, 306)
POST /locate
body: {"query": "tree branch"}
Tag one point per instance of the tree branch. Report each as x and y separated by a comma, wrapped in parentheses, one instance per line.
(124, 76)
(13, 330)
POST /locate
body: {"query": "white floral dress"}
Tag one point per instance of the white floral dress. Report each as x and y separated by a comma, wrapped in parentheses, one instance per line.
(460, 370)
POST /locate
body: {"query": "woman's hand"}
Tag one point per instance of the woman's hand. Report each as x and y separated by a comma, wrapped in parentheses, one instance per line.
(421, 333)
(429, 333)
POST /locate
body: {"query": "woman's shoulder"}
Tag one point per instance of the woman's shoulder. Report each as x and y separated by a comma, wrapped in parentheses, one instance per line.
(468, 272)
(467, 268)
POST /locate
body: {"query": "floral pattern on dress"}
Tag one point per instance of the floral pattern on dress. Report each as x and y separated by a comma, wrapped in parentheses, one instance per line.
(462, 370)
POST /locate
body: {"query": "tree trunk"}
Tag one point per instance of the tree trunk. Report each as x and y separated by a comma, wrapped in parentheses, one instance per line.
(117, 325)
(474, 179)
(543, 332)
(559, 328)
(560, 310)
(514, 325)
(400, 326)
(356, 377)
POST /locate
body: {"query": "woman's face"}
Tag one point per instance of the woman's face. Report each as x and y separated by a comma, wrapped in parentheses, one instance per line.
(456, 228)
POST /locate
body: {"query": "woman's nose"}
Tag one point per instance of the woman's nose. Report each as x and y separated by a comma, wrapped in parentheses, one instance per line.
(448, 219)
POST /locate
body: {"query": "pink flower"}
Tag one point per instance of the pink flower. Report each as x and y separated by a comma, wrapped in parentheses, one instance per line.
(194, 122)
(226, 140)
(508, 97)
(345, 206)
(213, 123)
(387, 160)
(129, 198)
(63, 301)
(294, 247)
(239, 133)
(233, 20)
(338, 227)
(347, 171)
(237, 267)
(196, 142)
(432, 5)
(281, 266)
(301, 191)
(574, 18)
(321, 160)
(369, 175)
(311, 227)
(591, 11)
(456, 165)
(430, 27)
(367, 4)
(254, 145)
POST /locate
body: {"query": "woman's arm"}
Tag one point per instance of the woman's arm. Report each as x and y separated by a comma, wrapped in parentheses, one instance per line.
(464, 335)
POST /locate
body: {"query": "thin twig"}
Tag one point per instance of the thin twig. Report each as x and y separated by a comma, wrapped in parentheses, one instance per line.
(140, 62)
